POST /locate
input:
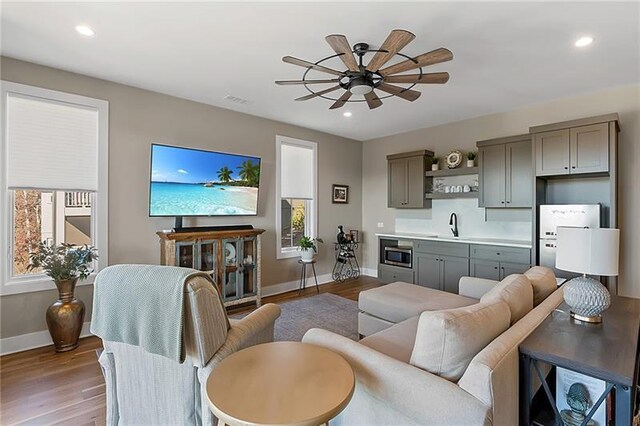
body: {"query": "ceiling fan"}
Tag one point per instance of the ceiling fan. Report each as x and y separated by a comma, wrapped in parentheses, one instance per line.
(359, 79)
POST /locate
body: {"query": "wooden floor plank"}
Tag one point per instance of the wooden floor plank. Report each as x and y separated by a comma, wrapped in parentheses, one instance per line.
(42, 387)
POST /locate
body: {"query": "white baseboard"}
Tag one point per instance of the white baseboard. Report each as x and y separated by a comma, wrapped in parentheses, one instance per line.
(369, 272)
(294, 285)
(38, 339)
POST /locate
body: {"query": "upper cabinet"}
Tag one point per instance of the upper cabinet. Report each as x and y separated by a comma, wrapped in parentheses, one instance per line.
(576, 149)
(505, 172)
(406, 179)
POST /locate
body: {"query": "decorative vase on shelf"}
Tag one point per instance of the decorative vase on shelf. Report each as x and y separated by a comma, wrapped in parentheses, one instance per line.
(65, 316)
(435, 167)
(471, 163)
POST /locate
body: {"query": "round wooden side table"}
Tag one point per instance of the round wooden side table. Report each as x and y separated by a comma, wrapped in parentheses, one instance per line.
(283, 383)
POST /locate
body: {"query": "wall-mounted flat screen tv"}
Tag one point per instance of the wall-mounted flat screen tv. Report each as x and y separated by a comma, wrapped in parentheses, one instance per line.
(193, 182)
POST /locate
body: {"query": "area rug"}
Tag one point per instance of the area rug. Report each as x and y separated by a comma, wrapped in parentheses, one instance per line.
(327, 311)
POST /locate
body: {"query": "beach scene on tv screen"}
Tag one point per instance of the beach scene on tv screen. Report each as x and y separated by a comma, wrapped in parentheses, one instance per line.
(188, 182)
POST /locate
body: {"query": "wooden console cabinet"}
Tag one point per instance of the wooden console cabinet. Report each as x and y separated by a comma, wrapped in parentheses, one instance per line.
(231, 257)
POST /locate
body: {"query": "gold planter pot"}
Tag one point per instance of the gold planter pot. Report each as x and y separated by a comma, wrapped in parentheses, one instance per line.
(65, 317)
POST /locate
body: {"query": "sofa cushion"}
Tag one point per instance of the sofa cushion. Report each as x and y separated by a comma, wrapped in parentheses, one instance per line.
(399, 301)
(516, 291)
(447, 341)
(543, 281)
(396, 341)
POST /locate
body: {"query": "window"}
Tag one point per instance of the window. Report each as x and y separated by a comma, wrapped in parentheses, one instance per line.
(296, 191)
(54, 178)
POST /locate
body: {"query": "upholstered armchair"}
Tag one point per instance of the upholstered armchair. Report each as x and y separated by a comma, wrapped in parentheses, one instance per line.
(147, 388)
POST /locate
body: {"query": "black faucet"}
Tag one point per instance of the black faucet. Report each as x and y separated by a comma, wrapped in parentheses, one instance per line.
(453, 222)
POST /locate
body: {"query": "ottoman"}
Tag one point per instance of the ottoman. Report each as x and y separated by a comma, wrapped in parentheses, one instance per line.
(382, 307)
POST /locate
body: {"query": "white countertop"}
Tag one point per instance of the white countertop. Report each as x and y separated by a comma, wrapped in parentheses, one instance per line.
(465, 240)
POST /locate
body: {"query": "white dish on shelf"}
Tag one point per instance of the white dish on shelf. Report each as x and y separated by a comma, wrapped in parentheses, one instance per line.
(230, 253)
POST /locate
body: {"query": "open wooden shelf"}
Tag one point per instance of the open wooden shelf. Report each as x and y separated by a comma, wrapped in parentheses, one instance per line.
(449, 195)
(452, 172)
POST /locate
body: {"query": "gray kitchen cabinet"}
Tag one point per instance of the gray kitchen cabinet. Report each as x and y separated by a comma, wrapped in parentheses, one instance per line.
(440, 272)
(589, 148)
(390, 274)
(575, 150)
(552, 153)
(486, 269)
(427, 270)
(406, 184)
(451, 270)
(505, 172)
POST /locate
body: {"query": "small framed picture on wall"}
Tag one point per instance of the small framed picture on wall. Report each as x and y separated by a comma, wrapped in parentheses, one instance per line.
(340, 194)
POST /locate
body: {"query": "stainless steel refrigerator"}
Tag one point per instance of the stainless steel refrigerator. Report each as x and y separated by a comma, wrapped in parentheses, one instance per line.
(554, 215)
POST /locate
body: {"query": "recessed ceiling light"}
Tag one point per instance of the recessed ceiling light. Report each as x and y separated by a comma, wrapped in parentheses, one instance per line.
(347, 114)
(85, 31)
(584, 41)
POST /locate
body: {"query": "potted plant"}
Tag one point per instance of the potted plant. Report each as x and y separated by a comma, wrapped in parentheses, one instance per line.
(471, 158)
(308, 247)
(65, 264)
(435, 163)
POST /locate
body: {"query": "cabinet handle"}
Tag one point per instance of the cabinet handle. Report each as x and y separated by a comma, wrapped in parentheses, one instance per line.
(495, 267)
(501, 202)
(566, 168)
(497, 254)
(573, 167)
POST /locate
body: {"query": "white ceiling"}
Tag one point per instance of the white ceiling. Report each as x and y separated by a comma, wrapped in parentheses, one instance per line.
(506, 55)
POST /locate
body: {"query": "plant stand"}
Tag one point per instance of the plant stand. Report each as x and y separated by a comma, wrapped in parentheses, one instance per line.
(346, 266)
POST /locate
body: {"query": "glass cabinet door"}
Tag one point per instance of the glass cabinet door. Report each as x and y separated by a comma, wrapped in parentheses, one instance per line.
(186, 255)
(231, 252)
(248, 271)
(207, 258)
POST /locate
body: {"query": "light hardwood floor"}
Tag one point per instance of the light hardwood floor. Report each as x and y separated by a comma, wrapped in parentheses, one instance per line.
(41, 387)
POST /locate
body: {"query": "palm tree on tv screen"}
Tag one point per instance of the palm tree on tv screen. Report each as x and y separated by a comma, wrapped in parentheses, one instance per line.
(249, 172)
(224, 174)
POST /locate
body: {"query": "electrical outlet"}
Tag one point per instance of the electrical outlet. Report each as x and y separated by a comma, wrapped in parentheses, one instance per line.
(380, 225)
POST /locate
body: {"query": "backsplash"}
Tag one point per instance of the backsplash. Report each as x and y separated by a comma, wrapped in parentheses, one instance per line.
(473, 221)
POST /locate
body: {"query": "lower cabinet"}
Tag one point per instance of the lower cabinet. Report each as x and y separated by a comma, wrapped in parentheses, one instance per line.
(492, 270)
(390, 274)
(440, 272)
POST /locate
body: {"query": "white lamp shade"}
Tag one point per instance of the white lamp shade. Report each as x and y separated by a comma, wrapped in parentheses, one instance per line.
(297, 172)
(588, 251)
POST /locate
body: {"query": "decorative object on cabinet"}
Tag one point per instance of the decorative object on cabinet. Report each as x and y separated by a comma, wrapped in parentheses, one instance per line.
(406, 179)
(471, 158)
(435, 163)
(355, 236)
(65, 264)
(340, 194)
(453, 159)
(232, 258)
(308, 248)
(505, 172)
(593, 252)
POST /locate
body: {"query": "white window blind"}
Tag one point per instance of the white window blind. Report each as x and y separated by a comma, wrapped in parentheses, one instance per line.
(297, 172)
(51, 145)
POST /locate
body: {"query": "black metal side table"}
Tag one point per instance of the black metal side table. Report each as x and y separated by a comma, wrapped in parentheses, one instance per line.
(346, 266)
(303, 274)
(606, 351)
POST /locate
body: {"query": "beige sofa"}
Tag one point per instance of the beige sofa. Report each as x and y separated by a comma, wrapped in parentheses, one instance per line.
(394, 386)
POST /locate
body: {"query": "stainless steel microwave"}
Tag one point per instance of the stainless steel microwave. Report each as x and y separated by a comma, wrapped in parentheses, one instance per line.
(398, 256)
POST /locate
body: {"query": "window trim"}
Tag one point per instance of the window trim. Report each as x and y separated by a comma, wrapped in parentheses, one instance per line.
(312, 219)
(99, 212)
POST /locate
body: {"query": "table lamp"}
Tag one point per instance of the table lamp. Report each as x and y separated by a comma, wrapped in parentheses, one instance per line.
(588, 252)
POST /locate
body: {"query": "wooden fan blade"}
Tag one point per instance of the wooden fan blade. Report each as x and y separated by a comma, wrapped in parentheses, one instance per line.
(307, 64)
(289, 82)
(341, 101)
(430, 58)
(394, 43)
(320, 93)
(373, 100)
(341, 46)
(406, 94)
(431, 78)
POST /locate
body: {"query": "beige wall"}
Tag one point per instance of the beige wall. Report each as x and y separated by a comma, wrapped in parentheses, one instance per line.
(137, 118)
(464, 134)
